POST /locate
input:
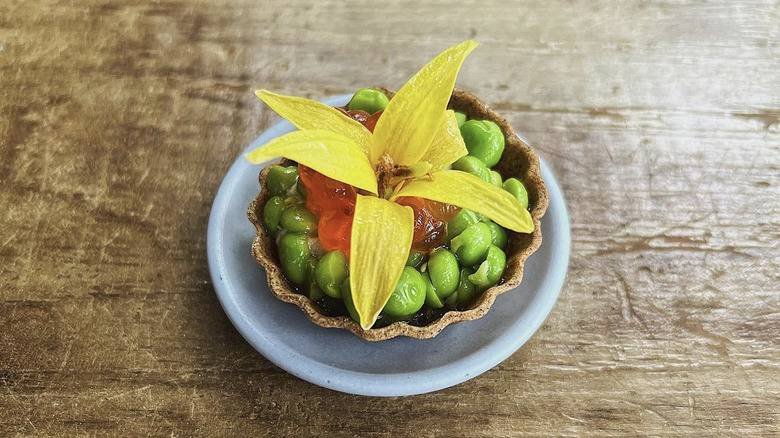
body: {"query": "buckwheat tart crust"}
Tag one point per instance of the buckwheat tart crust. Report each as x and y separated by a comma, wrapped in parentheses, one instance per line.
(518, 161)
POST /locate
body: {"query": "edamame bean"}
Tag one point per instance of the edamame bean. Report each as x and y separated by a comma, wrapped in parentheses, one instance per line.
(298, 219)
(315, 293)
(472, 244)
(481, 217)
(461, 118)
(408, 296)
(443, 271)
(300, 187)
(473, 166)
(483, 142)
(431, 297)
(311, 265)
(517, 189)
(495, 178)
(281, 179)
(369, 100)
(460, 222)
(346, 295)
(330, 273)
(294, 256)
(415, 259)
(293, 200)
(272, 211)
(493, 126)
(465, 291)
(490, 271)
(498, 236)
(310, 289)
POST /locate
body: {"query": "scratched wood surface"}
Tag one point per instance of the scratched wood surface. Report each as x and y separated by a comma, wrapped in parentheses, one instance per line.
(118, 120)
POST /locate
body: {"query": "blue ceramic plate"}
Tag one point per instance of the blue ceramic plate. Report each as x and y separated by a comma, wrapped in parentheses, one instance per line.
(335, 358)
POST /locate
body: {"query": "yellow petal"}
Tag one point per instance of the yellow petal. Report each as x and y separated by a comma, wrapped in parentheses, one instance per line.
(447, 145)
(421, 168)
(381, 238)
(309, 114)
(330, 154)
(468, 191)
(414, 115)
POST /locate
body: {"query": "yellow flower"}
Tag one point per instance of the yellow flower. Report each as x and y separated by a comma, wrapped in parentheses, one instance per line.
(414, 142)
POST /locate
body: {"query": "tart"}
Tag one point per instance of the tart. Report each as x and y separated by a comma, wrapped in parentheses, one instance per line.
(401, 188)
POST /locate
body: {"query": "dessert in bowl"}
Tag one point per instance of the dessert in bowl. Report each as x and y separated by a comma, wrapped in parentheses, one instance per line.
(400, 213)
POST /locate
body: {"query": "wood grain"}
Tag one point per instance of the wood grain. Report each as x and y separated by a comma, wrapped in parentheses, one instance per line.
(118, 121)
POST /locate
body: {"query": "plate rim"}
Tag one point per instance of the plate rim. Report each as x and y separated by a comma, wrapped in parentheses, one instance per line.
(373, 384)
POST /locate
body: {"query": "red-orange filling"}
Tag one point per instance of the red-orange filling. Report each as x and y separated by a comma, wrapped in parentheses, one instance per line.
(334, 203)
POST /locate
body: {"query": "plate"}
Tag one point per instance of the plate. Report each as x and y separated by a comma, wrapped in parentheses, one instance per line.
(335, 358)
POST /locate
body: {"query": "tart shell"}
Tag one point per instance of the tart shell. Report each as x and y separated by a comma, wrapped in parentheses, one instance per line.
(518, 161)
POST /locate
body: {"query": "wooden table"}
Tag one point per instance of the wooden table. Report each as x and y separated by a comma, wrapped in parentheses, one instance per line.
(119, 119)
